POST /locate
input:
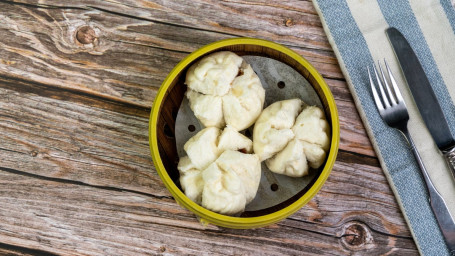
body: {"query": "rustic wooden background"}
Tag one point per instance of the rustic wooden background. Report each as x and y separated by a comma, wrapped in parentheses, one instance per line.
(77, 80)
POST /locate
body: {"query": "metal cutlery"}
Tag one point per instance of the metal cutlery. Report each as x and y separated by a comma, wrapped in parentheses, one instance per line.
(393, 111)
(424, 97)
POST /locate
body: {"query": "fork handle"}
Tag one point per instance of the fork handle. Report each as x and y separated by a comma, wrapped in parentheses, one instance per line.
(438, 205)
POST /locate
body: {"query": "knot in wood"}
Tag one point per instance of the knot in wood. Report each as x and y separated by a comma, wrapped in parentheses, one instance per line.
(86, 35)
(356, 236)
(162, 249)
(288, 22)
(34, 153)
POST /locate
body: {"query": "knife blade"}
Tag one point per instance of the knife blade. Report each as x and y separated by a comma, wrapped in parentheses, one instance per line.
(424, 96)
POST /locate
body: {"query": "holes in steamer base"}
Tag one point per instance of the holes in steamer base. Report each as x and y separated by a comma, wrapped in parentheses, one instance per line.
(191, 128)
(281, 84)
(274, 187)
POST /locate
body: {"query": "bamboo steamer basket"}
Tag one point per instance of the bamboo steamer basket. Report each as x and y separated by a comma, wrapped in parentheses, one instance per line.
(162, 128)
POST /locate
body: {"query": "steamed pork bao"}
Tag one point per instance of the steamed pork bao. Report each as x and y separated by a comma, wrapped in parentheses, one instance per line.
(224, 90)
(219, 171)
(290, 137)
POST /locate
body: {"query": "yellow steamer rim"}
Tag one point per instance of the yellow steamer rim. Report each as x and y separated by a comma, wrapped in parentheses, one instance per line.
(263, 48)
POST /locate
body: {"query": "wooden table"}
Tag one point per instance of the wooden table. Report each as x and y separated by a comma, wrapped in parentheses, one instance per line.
(77, 80)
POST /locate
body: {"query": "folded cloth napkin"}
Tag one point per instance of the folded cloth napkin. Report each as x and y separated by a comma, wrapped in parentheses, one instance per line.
(356, 31)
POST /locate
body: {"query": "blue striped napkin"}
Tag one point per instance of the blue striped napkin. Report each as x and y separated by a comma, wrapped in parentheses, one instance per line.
(356, 31)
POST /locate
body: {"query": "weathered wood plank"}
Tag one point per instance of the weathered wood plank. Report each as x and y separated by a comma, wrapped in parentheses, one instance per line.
(63, 139)
(49, 216)
(353, 136)
(119, 158)
(60, 134)
(133, 54)
(49, 54)
(78, 140)
(295, 23)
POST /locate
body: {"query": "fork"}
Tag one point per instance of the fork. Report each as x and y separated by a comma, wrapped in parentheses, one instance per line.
(393, 111)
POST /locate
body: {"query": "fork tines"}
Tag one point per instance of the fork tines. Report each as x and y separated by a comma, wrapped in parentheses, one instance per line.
(390, 95)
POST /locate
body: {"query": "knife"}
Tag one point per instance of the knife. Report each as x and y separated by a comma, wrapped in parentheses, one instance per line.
(424, 97)
(432, 114)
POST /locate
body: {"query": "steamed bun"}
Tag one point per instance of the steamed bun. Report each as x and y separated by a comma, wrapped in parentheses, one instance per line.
(290, 139)
(290, 161)
(312, 127)
(219, 172)
(224, 89)
(246, 166)
(207, 108)
(272, 130)
(190, 179)
(202, 149)
(214, 73)
(223, 191)
(313, 130)
(233, 140)
(244, 102)
(231, 182)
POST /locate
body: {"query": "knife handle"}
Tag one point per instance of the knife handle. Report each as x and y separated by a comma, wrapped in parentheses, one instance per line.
(449, 155)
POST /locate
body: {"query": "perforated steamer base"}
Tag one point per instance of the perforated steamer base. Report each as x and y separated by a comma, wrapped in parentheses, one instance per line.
(280, 82)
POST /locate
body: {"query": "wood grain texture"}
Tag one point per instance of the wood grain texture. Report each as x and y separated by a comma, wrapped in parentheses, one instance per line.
(53, 137)
(75, 219)
(77, 80)
(115, 68)
(53, 133)
(141, 60)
